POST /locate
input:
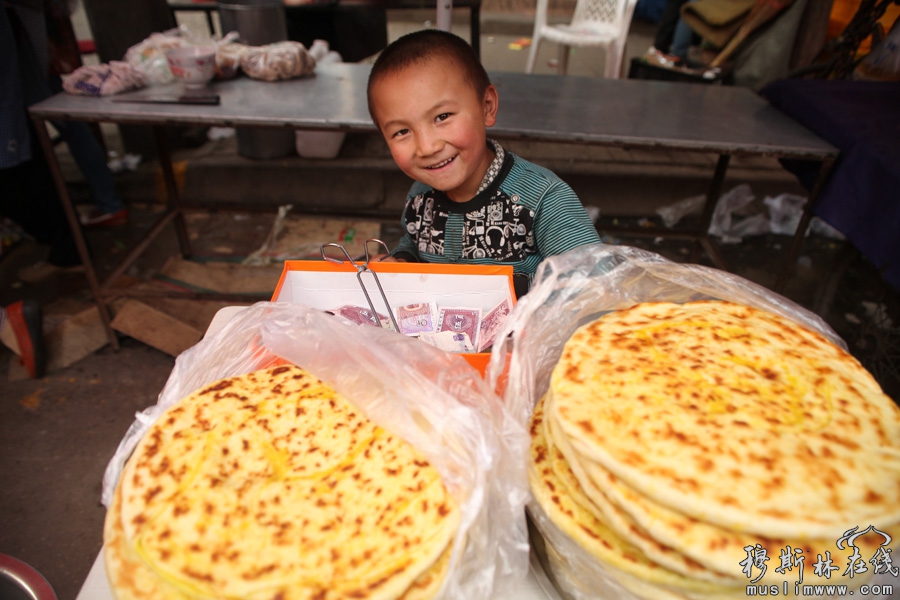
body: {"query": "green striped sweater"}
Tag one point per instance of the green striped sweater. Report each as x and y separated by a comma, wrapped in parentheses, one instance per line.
(526, 214)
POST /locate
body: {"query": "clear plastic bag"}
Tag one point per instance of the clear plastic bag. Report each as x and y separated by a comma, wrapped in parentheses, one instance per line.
(149, 55)
(432, 399)
(104, 79)
(228, 55)
(278, 61)
(578, 287)
(883, 63)
(733, 204)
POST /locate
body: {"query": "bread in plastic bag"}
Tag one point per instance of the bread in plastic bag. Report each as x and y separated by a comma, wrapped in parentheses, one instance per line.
(228, 59)
(434, 400)
(104, 79)
(149, 55)
(570, 290)
(278, 61)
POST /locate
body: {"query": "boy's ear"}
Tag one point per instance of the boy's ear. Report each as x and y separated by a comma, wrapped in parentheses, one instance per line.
(491, 104)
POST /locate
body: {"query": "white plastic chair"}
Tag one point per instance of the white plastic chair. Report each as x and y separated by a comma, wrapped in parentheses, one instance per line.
(595, 23)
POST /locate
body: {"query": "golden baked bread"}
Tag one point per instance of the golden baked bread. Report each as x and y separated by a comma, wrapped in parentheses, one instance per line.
(673, 437)
(567, 512)
(272, 485)
(732, 415)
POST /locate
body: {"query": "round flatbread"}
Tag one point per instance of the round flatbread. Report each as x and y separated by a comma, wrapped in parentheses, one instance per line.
(272, 485)
(593, 534)
(697, 549)
(587, 494)
(733, 416)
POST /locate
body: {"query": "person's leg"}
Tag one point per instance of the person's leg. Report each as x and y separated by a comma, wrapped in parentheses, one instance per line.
(29, 198)
(91, 160)
(22, 331)
(665, 31)
(682, 40)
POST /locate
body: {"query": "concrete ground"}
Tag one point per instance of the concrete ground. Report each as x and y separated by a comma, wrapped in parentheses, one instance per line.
(58, 433)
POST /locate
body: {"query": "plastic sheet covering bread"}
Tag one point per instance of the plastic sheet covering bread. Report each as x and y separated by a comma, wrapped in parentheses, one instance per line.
(278, 61)
(695, 435)
(391, 408)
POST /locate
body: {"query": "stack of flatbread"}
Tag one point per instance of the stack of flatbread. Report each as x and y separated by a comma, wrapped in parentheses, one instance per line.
(694, 450)
(271, 485)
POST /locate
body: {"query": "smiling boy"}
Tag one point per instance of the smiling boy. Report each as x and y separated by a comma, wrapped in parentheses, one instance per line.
(472, 201)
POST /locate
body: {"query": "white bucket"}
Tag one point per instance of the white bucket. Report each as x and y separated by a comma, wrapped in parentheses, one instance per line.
(319, 144)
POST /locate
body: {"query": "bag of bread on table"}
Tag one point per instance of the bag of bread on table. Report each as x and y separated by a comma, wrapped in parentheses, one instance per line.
(228, 55)
(149, 55)
(694, 435)
(278, 61)
(292, 455)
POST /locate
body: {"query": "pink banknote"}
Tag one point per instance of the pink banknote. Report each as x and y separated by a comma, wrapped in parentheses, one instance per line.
(462, 320)
(491, 324)
(359, 315)
(413, 319)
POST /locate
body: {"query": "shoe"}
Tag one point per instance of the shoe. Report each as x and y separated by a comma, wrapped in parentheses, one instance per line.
(657, 57)
(42, 270)
(26, 319)
(95, 218)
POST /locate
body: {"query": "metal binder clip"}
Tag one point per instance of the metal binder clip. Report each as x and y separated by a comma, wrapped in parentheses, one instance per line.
(364, 268)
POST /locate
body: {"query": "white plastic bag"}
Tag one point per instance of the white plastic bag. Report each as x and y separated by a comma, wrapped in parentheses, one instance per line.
(278, 61)
(432, 399)
(149, 55)
(785, 212)
(730, 204)
(575, 288)
(883, 62)
(104, 79)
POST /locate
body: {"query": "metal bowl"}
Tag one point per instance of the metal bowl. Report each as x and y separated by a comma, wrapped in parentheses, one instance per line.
(19, 581)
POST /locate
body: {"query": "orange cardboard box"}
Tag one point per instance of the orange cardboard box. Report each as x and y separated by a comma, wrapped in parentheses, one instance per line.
(327, 285)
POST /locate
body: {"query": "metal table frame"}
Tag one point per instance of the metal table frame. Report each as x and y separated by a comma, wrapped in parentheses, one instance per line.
(635, 114)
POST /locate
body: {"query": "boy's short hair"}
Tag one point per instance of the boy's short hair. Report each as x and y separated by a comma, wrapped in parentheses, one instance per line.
(423, 45)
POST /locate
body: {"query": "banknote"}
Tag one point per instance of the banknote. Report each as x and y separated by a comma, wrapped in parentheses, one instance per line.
(448, 341)
(491, 324)
(362, 315)
(413, 319)
(461, 320)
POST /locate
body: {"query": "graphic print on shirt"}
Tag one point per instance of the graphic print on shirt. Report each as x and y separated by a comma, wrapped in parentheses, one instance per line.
(502, 230)
(425, 225)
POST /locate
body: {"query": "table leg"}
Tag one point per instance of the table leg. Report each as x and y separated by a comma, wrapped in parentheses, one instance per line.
(444, 19)
(703, 242)
(173, 201)
(209, 21)
(475, 29)
(74, 224)
(797, 240)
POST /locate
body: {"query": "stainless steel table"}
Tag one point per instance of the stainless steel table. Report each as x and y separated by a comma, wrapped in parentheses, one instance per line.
(636, 114)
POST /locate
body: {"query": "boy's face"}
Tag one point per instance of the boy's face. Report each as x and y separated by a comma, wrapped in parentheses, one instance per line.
(434, 124)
